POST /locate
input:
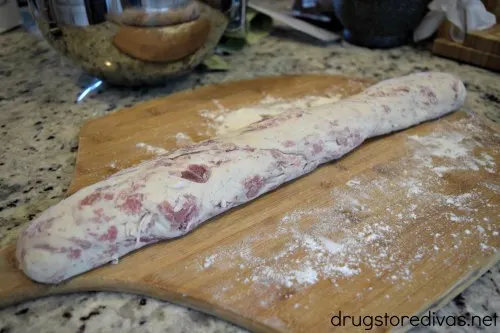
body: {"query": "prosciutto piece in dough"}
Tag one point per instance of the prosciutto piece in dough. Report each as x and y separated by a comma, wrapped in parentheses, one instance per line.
(171, 195)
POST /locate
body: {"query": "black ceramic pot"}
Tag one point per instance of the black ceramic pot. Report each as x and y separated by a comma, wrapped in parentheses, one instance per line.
(379, 23)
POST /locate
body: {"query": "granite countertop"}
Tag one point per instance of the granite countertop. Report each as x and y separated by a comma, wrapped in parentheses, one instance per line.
(39, 123)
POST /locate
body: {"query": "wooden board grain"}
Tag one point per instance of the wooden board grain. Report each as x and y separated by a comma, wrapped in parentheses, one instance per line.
(480, 48)
(404, 231)
(468, 55)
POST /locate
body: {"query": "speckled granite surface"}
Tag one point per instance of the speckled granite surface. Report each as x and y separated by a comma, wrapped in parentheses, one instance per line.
(39, 123)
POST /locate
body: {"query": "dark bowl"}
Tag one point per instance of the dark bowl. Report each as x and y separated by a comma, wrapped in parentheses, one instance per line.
(380, 23)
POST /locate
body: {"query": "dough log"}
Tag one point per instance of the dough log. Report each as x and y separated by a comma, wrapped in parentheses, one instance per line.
(171, 195)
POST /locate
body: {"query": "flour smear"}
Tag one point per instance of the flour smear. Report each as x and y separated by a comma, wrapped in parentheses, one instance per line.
(181, 140)
(224, 120)
(353, 235)
(151, 149)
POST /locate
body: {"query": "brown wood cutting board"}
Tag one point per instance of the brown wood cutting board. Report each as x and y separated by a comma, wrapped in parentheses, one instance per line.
(399, 226)
(480, 48)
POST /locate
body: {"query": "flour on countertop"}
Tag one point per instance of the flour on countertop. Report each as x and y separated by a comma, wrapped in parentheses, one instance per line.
(224, 120)
(151, 149)
(353, 234)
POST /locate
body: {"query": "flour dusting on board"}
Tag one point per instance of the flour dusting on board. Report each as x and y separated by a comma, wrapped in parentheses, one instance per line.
(182, 139)
(151, 149)
(452, 146)
(223, 120)
(351, 233)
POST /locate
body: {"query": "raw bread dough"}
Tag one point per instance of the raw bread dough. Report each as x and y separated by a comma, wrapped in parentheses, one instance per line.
(171, 195)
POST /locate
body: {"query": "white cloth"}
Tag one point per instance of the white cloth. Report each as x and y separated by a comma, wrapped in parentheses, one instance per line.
(466, 16)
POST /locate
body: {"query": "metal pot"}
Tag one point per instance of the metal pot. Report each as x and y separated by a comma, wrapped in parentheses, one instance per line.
(83, 31)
